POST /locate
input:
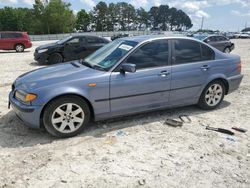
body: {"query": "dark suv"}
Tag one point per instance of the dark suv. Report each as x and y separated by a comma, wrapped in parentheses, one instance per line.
(217, 41)
(70, 48)
(18, 41)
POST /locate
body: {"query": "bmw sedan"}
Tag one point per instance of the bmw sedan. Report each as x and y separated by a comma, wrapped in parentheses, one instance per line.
(127, 76)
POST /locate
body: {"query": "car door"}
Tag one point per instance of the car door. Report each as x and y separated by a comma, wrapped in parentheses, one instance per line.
(72, 49)
(213, 42)
(222, 43)
(1, 42)
(191, 63)
(149, 86)
(7, 41)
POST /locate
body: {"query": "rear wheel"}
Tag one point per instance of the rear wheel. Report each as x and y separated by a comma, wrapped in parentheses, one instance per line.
(66, 116)
(55, 58)
(19, 48)
(227, 50)
(212, 95)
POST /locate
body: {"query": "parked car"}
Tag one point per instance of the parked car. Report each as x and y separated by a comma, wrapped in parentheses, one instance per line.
(217, 41)
(126, 76)
(120, 35)
(18, 41)
(70, 48)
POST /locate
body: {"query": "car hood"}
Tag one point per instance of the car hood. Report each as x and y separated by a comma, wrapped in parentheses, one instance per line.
(46, 46)
(56, 74)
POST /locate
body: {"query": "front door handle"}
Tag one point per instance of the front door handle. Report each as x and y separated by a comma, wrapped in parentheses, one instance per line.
(205, 67)
(164, 73)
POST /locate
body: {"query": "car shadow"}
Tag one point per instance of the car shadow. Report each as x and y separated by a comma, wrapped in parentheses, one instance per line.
(14, 134)
(36, 64)
(13, 52)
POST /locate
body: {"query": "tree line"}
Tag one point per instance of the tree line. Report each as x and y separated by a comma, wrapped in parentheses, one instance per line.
(56, 16)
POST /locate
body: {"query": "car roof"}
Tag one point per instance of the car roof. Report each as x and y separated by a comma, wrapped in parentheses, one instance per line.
(145, 38)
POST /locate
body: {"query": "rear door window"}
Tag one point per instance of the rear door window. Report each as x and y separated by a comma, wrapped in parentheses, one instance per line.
(186, 51)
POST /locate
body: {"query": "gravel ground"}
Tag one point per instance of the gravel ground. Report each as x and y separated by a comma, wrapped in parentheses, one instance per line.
(135, 151)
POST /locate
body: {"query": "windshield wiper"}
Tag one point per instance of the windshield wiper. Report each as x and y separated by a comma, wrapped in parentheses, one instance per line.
(85, 63)
(98, 68)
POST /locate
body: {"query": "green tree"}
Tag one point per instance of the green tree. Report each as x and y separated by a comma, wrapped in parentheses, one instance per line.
(246, 29)
(100, 15)
(82, 20)
(154, 17)
(142, 18)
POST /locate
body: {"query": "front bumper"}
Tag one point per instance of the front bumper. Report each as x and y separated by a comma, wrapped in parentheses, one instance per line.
(234, 83)
(30, 115)
(41, 57)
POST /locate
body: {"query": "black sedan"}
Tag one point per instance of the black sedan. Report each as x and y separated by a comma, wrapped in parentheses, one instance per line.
(217, 41)
(70, 48)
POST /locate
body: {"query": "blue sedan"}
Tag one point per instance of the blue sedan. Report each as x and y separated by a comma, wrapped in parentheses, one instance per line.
(127, 76)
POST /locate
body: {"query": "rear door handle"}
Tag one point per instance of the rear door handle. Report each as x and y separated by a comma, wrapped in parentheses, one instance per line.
(164, 73)
(205, 67)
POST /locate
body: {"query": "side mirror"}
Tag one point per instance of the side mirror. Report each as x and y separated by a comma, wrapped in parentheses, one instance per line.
(207, 40)
(128, 67)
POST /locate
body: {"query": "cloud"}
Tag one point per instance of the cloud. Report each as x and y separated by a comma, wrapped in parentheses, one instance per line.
(139, 3)
(237, 13)
(28, 2)
(8, 1)
(89, 3)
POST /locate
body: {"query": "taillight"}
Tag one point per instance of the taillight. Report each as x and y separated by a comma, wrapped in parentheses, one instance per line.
(239, 67)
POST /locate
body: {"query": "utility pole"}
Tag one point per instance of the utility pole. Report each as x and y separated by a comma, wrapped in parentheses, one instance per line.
(202, 22)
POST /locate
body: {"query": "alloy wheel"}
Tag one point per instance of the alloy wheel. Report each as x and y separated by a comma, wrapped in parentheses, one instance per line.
(67, 118)
(214, 95)
(19, 48)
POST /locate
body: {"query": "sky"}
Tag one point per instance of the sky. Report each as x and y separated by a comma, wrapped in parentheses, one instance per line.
(224, 15)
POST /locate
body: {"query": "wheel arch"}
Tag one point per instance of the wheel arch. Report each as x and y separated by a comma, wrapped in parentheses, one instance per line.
(223, 80)
(18, 44)
(63, 95)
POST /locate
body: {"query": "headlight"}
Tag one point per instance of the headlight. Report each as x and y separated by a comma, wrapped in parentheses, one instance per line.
(25, 97)
(43, 50)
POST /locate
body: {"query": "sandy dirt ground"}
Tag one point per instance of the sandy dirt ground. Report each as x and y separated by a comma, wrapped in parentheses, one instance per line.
(134, 151)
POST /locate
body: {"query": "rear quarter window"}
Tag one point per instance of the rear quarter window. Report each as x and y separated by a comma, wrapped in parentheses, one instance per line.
(93, 40)
(207, 53)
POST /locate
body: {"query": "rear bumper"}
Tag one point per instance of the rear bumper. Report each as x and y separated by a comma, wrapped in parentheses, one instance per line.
(30, 115)
(28, 45)
(234, 83)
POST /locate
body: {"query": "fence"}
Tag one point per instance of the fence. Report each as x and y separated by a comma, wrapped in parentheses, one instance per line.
(102, 34)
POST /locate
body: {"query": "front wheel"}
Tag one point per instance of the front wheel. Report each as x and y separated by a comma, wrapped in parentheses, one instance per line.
(66, 116)
(212, 95)
(55, 58)
(227, 50)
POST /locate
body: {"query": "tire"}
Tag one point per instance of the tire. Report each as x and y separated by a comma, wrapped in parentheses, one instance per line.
(55, 58)
(62, 122)
(227, 50)
(19, 48)
(212, 95)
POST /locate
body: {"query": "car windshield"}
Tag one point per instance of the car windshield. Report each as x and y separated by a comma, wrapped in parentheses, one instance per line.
(106, 57)
(200, 37)
(64, 40)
